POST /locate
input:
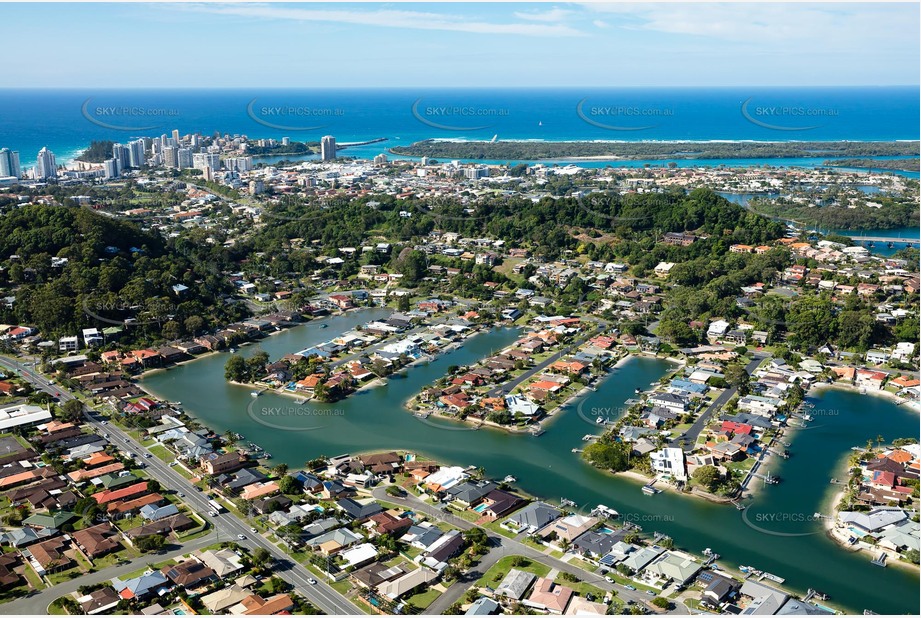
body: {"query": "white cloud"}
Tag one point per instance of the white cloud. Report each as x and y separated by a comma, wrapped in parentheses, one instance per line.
(553, 15)
(389, 18)
(601, 24)
(839, 24)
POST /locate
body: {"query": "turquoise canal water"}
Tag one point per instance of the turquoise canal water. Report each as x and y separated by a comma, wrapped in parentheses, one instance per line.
(546, 466)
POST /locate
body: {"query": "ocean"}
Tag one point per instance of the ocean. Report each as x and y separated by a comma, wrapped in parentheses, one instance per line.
(66, 121)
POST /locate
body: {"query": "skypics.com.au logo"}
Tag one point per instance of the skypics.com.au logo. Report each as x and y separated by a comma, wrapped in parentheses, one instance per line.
(120, 311)
(785, 117)
(438, 116)
(604, 116)
(291, 417)
(127, 117)
(282, 117)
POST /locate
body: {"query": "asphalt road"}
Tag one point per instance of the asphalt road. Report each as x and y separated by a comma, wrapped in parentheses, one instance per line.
(508, 387)
(691, 434)
(227, 525)
(37, 604)
(503, 546)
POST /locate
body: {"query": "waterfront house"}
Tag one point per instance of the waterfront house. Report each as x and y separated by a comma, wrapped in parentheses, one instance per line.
(214, 463)
(672, 402)
(533, 517)
(671, 567)
(871, 380)
(669, 461)
(567, 528)
(594, 545)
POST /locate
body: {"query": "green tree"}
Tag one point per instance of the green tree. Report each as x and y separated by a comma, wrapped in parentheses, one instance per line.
(707, 476)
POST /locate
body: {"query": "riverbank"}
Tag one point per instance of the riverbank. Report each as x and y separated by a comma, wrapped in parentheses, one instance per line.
(914, 406)
(840, 535)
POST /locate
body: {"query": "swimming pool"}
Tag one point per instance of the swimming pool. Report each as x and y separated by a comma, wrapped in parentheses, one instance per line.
(480, 508)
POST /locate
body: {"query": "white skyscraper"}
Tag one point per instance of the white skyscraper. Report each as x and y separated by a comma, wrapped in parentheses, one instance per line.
(328, 148)
(176, 141)
(110, 166)
(122, 156)
(202, 160)
(45, 165)
(9, 163)
(171, 156)
(185, 158)
(136, 153)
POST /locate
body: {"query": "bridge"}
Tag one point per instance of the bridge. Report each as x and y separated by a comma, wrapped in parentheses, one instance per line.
(882, 239)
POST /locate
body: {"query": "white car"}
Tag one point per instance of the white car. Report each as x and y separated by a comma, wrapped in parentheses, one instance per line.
(609, 579)
(311, 581)
(242, 537)
(254, 531)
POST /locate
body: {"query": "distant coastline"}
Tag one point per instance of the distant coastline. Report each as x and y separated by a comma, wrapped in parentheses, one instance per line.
(657, 150)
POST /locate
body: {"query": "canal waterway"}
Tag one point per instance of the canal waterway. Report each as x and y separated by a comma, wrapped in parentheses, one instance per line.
(778, 532)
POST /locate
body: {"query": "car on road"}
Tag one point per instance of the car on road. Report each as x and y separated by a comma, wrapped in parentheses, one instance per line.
(628, 587)
(651, 593)
(254, 531)
(105, 422)
(181, 495)
(609, 579)
(147, 455)
(311, 581)
(242, 537)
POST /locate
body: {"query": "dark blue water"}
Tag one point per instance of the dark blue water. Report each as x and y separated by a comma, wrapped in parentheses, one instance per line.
(31, 119)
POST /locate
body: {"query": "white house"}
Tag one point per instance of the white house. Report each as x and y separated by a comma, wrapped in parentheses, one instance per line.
(669, 461)
(717, 329)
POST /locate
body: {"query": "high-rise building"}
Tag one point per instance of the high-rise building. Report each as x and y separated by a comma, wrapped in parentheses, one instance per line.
(171, 156)
(136, 153)
(285, 141)
(122, 156)
(380, 159)
(110, 166)
(202, 160)
(239, 164)
(9, 163)
(176, 141)
(45, 165)
(328, 148)
(185, 158)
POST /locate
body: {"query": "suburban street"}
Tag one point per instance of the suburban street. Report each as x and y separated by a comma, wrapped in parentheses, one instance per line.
(690, 436)
(37, 604)
(227, 525)
(511, 385)
(503, 546)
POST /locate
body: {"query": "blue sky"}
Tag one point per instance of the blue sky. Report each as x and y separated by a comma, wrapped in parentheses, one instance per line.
(460, 44)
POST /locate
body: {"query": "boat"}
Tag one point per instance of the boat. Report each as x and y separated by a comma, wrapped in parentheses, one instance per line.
(880, 560)
(773, 578)
(637, 391)
(599, 421)
(509, 479)
(564, 502)
(254, 393)
(747, 569)
(300, 400)
(323, 325)
(649, 490)
(233, 350)
(605, 511)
